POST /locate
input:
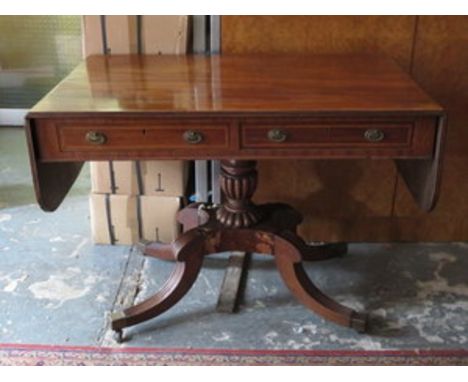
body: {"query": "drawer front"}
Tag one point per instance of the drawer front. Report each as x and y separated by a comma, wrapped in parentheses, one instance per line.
(121, 137)
(116, 138)
(319, 135)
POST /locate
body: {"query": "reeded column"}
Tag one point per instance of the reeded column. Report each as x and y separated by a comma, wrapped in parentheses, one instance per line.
(238, 182)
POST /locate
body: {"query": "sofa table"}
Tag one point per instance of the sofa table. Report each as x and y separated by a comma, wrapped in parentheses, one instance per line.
(237, 109)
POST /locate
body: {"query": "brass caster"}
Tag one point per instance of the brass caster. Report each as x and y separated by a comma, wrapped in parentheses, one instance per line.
(117, 318)
(118, 336)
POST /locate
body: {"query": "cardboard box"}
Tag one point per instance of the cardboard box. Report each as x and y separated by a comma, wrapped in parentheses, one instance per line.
(125, 219)
(173, 28)
(159, 217)
(114, 219)
(115, 177)
(162, 178)
(160, 34)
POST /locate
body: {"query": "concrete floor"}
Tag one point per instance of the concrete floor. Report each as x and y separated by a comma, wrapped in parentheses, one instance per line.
(56, 287)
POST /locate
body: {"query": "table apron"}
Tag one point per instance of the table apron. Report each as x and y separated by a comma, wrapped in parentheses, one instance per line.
(75, 139)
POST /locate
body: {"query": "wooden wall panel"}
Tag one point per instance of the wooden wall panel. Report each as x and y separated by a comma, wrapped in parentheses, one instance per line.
(320, 34)
(340, 200)
(333, 195)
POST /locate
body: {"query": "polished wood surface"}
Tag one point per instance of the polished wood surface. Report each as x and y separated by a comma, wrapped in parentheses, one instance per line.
(237, 83)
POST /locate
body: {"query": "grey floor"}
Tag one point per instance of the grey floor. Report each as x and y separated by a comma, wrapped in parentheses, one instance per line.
(56, 287)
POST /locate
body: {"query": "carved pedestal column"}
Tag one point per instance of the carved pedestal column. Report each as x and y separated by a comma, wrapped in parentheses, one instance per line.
(238, 182)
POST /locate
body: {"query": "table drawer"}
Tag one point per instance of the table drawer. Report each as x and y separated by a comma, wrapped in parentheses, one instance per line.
(317, 135)
(140, 136)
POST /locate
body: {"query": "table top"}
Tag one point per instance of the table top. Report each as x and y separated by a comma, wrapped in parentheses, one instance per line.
(236, 83)
(137, 107)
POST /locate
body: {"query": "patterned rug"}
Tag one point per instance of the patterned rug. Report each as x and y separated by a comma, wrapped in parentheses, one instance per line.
(43, 355)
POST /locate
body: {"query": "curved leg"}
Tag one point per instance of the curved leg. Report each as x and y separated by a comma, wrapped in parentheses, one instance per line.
(288, 259)
(189, 250)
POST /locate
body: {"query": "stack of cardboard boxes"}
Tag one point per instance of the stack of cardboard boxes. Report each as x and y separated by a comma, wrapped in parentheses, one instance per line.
(132, 200)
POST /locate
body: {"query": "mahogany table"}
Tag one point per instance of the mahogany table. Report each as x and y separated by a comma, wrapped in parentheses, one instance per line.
(237, 109)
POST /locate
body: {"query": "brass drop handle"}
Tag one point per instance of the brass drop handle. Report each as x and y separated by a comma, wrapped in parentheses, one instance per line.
(96, 138)
(192, 137)
(277, 135)
(374, 135)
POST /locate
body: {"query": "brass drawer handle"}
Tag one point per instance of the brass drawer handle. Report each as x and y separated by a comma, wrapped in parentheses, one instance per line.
(96, 138)
(192, 137)
(374, 135)
(277, 135)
